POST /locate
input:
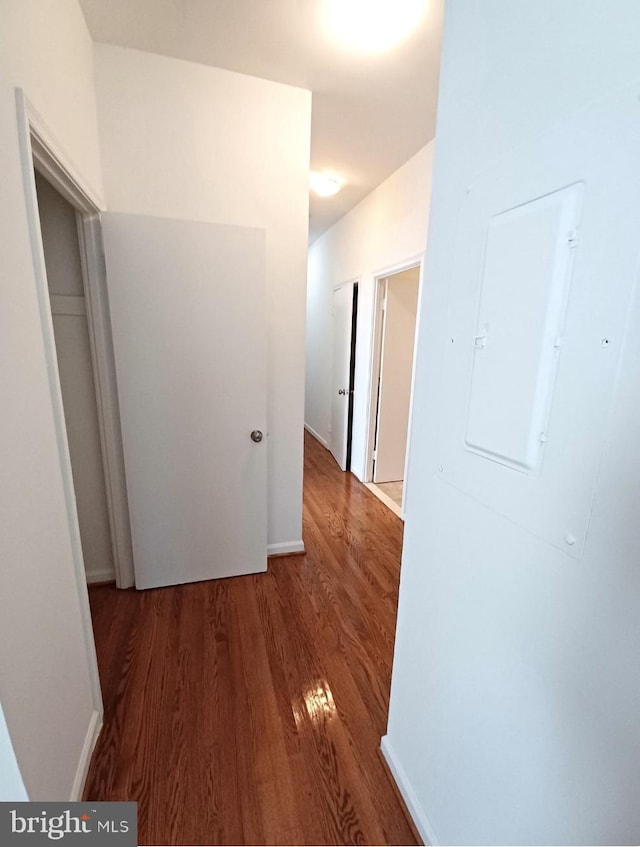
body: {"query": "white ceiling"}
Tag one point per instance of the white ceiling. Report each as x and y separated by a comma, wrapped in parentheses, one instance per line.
(371, 112)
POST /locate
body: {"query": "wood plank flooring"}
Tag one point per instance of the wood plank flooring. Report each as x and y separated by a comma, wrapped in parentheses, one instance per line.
(250, 710)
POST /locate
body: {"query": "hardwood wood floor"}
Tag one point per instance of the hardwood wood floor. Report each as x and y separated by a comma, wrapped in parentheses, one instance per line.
(250, 710)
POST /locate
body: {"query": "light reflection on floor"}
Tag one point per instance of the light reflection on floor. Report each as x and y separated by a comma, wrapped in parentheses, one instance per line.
(319, 703)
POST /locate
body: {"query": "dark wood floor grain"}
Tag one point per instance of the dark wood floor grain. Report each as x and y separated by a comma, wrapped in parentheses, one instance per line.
(250, 710)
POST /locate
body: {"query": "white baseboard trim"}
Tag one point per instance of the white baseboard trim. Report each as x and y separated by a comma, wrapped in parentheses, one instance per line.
(408, 794)
(317, 437)
(285, 547)
(105, 575)
(93, 731)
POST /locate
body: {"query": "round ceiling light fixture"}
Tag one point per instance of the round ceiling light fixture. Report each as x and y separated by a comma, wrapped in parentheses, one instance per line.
(373, 25)
(325, 184)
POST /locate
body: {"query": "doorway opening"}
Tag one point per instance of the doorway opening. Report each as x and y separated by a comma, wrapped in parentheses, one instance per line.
(394, 349)
(66, 243)
(343, 369)
(61, 248)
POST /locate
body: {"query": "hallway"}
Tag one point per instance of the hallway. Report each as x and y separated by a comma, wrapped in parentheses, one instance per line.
(250, 710)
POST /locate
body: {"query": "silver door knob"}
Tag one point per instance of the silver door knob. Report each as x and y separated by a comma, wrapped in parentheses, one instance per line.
(342, 391)
(256, 436)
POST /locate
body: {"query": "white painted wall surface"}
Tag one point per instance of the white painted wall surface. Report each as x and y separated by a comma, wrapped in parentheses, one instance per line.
(516, 681)
(388, 228)
(182, 140)
(44, 667)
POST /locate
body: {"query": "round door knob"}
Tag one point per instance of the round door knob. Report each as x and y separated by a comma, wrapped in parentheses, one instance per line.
(256, 436)
(342, 391)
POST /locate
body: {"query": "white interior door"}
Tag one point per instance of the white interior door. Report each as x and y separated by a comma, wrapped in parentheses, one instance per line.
(188, 316)
(341, 358)
(396, 368)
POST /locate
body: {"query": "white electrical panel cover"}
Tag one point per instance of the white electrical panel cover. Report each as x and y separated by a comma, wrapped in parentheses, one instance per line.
(525, 281)
(537, 310)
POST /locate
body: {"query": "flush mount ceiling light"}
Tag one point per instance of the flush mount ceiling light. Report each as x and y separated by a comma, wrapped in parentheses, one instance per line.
(324, 184)
(371, 25)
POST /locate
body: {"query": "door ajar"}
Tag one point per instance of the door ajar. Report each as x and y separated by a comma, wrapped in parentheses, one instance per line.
(396, 371)
(187, 304)
(342, 313)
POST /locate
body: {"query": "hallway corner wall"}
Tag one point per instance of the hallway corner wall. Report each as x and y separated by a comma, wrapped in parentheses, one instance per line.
(45, 671)
(515, 687)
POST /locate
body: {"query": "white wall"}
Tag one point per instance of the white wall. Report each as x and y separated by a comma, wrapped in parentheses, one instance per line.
(45, 685)
(516, 681)
(183, 140)
(386, 229)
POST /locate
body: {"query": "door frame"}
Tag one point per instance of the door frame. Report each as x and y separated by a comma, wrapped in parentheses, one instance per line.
(379, 280)
(39, 150)
(32, 136)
